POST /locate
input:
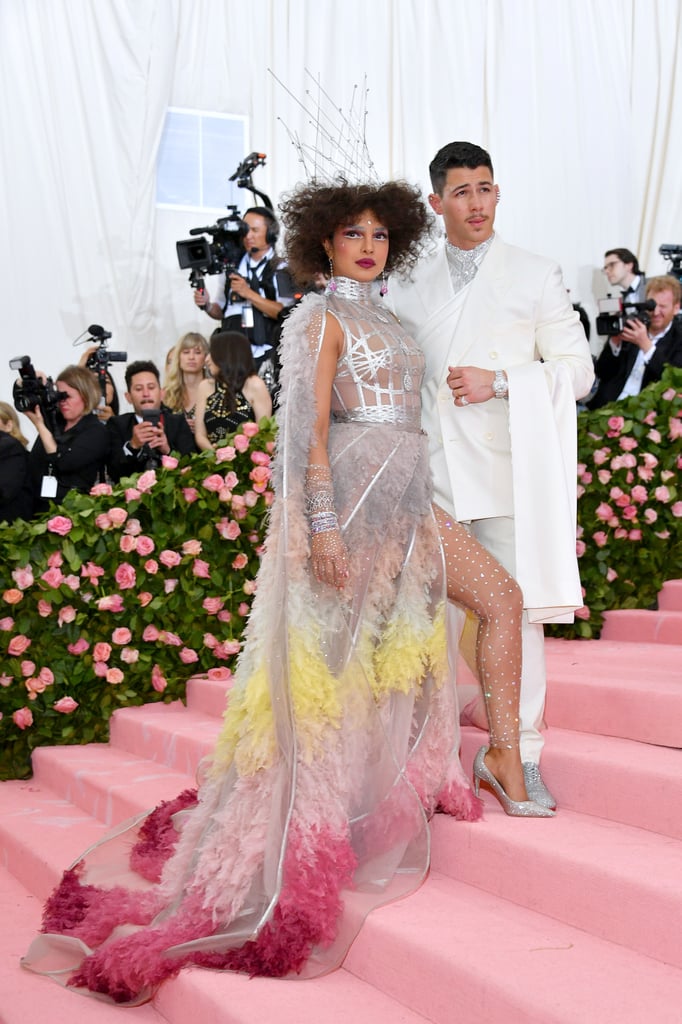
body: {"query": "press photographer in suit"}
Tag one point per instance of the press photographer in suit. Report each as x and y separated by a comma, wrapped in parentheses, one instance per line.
(139, 439)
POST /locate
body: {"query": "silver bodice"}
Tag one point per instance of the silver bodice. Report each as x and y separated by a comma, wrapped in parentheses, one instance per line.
(380, 371)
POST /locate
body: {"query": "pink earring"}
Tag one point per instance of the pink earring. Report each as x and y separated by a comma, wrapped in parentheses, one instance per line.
(384, 285)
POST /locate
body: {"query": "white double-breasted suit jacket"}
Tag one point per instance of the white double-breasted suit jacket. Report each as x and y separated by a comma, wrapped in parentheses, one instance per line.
(506, 458)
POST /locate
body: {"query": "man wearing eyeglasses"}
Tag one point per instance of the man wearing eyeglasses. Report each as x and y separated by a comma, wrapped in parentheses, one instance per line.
(622, 270)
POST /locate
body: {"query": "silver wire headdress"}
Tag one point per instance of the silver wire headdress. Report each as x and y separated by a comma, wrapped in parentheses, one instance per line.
(338, 149)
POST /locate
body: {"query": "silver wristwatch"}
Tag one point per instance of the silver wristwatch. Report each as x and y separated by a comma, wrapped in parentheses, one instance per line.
(500, 385)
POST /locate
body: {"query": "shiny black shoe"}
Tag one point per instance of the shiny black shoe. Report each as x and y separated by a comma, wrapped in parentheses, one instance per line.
(535, 787)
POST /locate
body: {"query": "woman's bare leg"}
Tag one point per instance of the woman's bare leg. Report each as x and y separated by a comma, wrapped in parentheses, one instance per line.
(477, 581)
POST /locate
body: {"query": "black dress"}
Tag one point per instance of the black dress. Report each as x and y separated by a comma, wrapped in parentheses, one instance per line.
(16, 500)
(219, 419)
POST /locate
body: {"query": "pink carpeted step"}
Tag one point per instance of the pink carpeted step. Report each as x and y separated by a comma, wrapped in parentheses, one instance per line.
(208, 696)
(107, 783)
(619, 780)
(26, 998)
(636, 625)
(614, 881)
(616, 689)
(670, 597)
(168, 733)
(463, 955)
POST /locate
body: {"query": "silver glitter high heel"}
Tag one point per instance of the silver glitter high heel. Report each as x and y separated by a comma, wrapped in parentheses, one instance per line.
(515, 808)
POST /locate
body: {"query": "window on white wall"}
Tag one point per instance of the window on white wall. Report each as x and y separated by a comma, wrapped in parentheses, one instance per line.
(199, 152)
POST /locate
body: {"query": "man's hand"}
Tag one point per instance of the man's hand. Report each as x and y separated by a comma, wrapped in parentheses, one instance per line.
(240, 286)
(201, 298)
(470, 384)
(636, 333)
(147, 434)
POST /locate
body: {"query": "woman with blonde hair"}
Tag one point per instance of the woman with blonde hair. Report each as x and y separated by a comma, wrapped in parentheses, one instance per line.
(9, 423)
(186, 370)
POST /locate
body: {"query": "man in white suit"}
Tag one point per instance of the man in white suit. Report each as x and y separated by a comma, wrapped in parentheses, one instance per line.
(506, 360)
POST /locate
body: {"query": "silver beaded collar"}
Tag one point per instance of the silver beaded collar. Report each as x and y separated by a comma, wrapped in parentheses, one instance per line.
(347, 288)
(464, 263)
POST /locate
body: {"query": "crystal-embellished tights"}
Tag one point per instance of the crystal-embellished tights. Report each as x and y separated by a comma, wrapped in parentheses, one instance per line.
(477, 581)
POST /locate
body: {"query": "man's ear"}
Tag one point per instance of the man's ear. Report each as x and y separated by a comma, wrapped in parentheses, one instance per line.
(436, 203)
(128, 398)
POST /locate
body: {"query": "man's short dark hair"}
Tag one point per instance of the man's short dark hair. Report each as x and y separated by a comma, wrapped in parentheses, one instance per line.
(626, 256)
(141, 366)
(457, 154)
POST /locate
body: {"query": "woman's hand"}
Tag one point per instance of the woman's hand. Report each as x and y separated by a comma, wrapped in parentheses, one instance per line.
(329, 558)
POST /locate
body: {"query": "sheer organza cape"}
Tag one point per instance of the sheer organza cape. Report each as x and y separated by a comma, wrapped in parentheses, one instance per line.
(340, 738)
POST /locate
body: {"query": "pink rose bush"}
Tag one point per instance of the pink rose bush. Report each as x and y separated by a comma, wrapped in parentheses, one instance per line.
(629, 531)
(120, 595)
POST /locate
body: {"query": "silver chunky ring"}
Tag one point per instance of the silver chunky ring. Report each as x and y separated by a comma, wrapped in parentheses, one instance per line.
(463, 400)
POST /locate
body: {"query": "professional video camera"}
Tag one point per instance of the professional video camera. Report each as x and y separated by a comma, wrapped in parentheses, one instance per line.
(102, 357)
(30, 392)
(674, 254)
(614, 314)
(223, 253)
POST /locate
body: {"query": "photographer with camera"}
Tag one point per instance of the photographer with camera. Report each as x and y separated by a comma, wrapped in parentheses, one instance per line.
(256, 292)
(108, 404)
(622, 269)
(71, 447)
(139, 439)
(647, 343)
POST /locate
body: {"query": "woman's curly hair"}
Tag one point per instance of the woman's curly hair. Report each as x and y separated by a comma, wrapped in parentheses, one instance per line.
(313, 212)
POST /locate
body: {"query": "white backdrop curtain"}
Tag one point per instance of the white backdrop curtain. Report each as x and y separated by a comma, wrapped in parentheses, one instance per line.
(578, 101)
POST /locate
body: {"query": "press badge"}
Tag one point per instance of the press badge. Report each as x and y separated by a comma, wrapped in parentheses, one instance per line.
(48, 488)
(247, 315)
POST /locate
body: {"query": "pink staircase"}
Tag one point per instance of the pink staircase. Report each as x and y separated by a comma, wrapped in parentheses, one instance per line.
(568, 921)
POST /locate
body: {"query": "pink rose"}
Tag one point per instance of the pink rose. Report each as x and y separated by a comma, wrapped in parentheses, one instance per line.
(662, 494)
(228, 529)
(23, 577)
(582, 613)
(100, 489)
(53, 577)
(100, 668)
(260, 476)
(244, 608)
(263, 459)
(664, 534)
(12, 596)
(240, 561)
(66, 614)
(639, 494)
(225, 616)
(201, 569)
(125, 576)
(145, 546)
(225, 454)
(151, 633)
(114, 676)
(601, 455)
(190, 494)
(132, 494)
(121, 636)
(210, 641)
(611, 575)
(28, 667)
(158, 680)
(103, 522)
(227, 649)
(169, 586)
(92, 571)
(650, 515)
(146, 481)
(630, 512)
(250, 587)
(649, 460)
(144, 597)
(580, 548)
(6, 624)
(169, 462)
(172, 639)
(603, 512)
(6, 680)
(17, 645)
(599, 538)
(231, 480)
(46, 675)
(615, 425)
(676, 509)
(213, 483)
(249, 429)
(212, 605)
(101, 651)
(650, 418)
(151, 566)
(586, 478)
(133, 527)
(241, 442)
(675, 429)
(628, 444)
(118, 515)
(655, 436)
(191, 547)
(667, 474)
(55, 560)
(222, 672)
(635, 535)
(34, 685)
(620, 533)
(127, 544)
(250, 499)
(170, 558)
(669, 394)
(269, 497)
(60, 524)
(188, 656)
(22, 718)
(645, 474)
(65, 705)
(111, 603)
(79, 647)
(72, 582)
(130, 655)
